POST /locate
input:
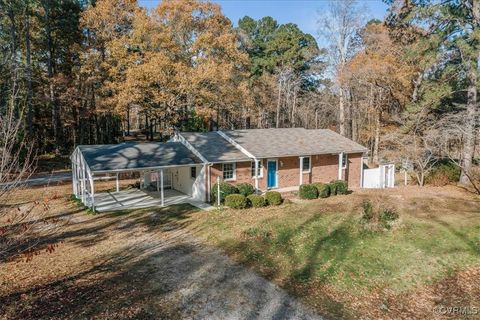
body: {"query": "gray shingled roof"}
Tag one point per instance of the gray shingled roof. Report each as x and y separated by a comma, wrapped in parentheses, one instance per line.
(131, 156)
(264, 143)
(213, 147)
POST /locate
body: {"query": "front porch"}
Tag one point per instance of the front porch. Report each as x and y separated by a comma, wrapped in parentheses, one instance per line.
(136, 199)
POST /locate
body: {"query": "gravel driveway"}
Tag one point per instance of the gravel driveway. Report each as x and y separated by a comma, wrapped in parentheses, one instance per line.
(207, 284)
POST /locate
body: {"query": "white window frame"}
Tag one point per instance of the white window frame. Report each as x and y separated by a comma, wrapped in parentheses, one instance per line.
(344, 164)
(260, 168)
(234, 173)
(309, 164)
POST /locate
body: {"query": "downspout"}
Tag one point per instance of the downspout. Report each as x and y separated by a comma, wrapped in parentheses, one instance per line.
(209, 181)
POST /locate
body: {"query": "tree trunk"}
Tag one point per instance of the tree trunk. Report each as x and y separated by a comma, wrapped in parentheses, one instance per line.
(294, 103)
(348, 114)
(354, 129)
(341, 105)
(128, 120)
(469, 142)
(472, 112)
(378, 115)
(54, 107)
(13, 34)
(279, 100)
(28, 72)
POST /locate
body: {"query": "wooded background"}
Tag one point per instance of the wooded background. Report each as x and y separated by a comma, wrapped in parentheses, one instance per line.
(92, 72)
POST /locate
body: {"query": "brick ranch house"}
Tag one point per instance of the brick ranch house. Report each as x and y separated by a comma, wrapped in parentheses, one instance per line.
(191, 162)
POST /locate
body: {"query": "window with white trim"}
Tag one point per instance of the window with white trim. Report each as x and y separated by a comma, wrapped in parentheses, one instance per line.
(306, 165)
(260, 169)
(228, 171)
(193, 172)
(344, 160)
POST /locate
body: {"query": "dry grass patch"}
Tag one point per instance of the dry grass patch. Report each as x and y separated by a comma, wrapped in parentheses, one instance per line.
(321, 251)
(100, 265)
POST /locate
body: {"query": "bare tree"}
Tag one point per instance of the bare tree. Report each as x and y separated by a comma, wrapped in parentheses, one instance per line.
(452, 137)
(21, 225)
(339, 27)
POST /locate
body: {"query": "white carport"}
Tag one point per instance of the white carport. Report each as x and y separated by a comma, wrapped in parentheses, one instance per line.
(101, 162)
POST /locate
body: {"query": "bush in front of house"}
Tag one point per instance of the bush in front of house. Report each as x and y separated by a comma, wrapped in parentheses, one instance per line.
(273, 198)
(338, 187)
(245, 188)
(308, 191)
(236, 201)
(257, 201)
(323, 189)
(225, 190)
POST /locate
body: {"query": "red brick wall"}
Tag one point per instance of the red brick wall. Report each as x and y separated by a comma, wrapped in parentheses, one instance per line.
(324, 168)
(354, 170)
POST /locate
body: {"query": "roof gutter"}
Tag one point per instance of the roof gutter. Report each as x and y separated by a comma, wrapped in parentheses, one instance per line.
(146, 168)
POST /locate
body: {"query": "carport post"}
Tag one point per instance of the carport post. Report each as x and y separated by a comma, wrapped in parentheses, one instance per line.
(256, 175)
(118, 186)
(161, 187)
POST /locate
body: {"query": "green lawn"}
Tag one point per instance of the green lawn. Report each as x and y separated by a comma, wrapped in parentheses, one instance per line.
(324, 244)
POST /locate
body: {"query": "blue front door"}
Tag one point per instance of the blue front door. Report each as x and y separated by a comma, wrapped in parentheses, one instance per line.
(272, 173)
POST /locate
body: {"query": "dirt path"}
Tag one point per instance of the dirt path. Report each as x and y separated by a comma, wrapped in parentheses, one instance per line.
(138, 266)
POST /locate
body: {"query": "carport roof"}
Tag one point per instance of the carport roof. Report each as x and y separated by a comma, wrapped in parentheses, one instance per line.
(131, 156)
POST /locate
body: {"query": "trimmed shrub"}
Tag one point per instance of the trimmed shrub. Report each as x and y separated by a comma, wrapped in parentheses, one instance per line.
(245, 188)
(338, 187)
(308, 191)
(273, 198)
(256, 200)
(236, 201)
(333, 188)
(225, 190)
(323, 189)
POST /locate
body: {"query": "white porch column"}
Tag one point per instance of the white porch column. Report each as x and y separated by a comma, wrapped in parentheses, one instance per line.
(340, 156)
(92, 186)
(161, 187)
(82, 181)
(256, 175)
(74, 179)
(117, 184)
(301, 170)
